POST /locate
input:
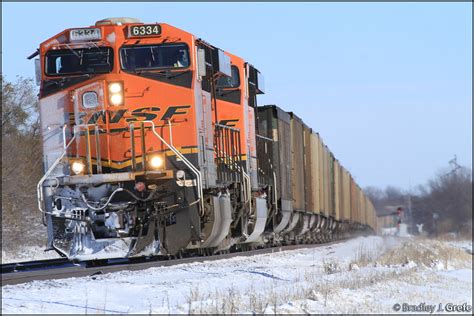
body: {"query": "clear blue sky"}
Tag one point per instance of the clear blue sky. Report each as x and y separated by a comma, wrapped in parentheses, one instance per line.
(387, 85)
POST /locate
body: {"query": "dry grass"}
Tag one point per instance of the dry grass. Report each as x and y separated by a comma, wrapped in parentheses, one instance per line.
(428, 253)
(313, 287)
(448, 237)
(366, 255)
(323, 284)
(331, 266)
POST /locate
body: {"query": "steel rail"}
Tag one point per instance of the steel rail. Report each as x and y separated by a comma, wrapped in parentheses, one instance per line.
(61, 268)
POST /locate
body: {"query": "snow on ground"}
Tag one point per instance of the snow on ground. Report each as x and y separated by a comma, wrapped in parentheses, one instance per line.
(362, 275)
(28, 254)
(463, 244)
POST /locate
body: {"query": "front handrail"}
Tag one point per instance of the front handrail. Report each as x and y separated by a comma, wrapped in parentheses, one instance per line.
(50, 170)
(185, 160)
(199, 184)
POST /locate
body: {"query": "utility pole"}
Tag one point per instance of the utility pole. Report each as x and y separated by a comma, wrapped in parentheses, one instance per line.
(455, 166)
(410, 214)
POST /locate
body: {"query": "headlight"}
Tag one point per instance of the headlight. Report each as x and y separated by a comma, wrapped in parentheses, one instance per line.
(115, 87)
(78, 167)
(157, 162)
(116, 93)
(116, 99)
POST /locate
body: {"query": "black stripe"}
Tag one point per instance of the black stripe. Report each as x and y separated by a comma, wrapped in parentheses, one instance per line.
(184, 79)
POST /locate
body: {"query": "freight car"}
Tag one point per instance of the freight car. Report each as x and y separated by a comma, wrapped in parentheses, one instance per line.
(154, 145)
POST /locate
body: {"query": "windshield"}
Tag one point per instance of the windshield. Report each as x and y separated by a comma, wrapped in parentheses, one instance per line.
(149, 57)
(79, 61)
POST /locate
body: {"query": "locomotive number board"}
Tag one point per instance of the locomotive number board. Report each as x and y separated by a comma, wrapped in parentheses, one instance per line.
(144, 30)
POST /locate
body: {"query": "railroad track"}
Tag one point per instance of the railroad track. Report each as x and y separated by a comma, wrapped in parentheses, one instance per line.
(22, 272)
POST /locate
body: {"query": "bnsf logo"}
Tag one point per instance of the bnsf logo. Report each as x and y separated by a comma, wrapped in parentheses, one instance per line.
(137, 115)
(230, 123)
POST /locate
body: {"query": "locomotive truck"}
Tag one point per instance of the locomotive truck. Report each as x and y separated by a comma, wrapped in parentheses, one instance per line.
(154, 145)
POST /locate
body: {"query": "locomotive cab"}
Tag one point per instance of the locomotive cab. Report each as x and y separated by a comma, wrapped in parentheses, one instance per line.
(127, 132)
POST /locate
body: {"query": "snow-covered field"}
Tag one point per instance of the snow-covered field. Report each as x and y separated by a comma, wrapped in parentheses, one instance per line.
(28, 254)
(362, 275)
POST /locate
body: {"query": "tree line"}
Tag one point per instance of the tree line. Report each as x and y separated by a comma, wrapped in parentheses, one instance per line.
(442, 205)
(22, 164)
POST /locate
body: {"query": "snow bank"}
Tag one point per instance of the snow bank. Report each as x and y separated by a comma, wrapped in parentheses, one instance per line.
(462, 244)
(28, 254)
(328, 279)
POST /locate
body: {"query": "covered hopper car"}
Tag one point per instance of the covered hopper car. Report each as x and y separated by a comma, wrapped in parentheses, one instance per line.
(154, 145)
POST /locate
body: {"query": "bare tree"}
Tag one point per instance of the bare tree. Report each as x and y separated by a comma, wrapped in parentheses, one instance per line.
(21, 164)
(449, 195)
(390, 196)
(443, 205)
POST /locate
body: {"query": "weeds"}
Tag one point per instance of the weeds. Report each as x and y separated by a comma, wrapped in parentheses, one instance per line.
(331, 266)
(168, 302)
(323, 283)
(428, 253)
(365, 256)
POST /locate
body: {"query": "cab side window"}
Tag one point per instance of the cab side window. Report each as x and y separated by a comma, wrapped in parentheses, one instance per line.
(227, 88)
(230, 82)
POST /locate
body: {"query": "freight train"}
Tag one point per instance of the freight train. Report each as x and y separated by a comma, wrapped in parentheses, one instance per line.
(154, 145)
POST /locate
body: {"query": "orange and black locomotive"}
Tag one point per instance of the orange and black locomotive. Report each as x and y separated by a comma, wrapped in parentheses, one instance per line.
(154, 145)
